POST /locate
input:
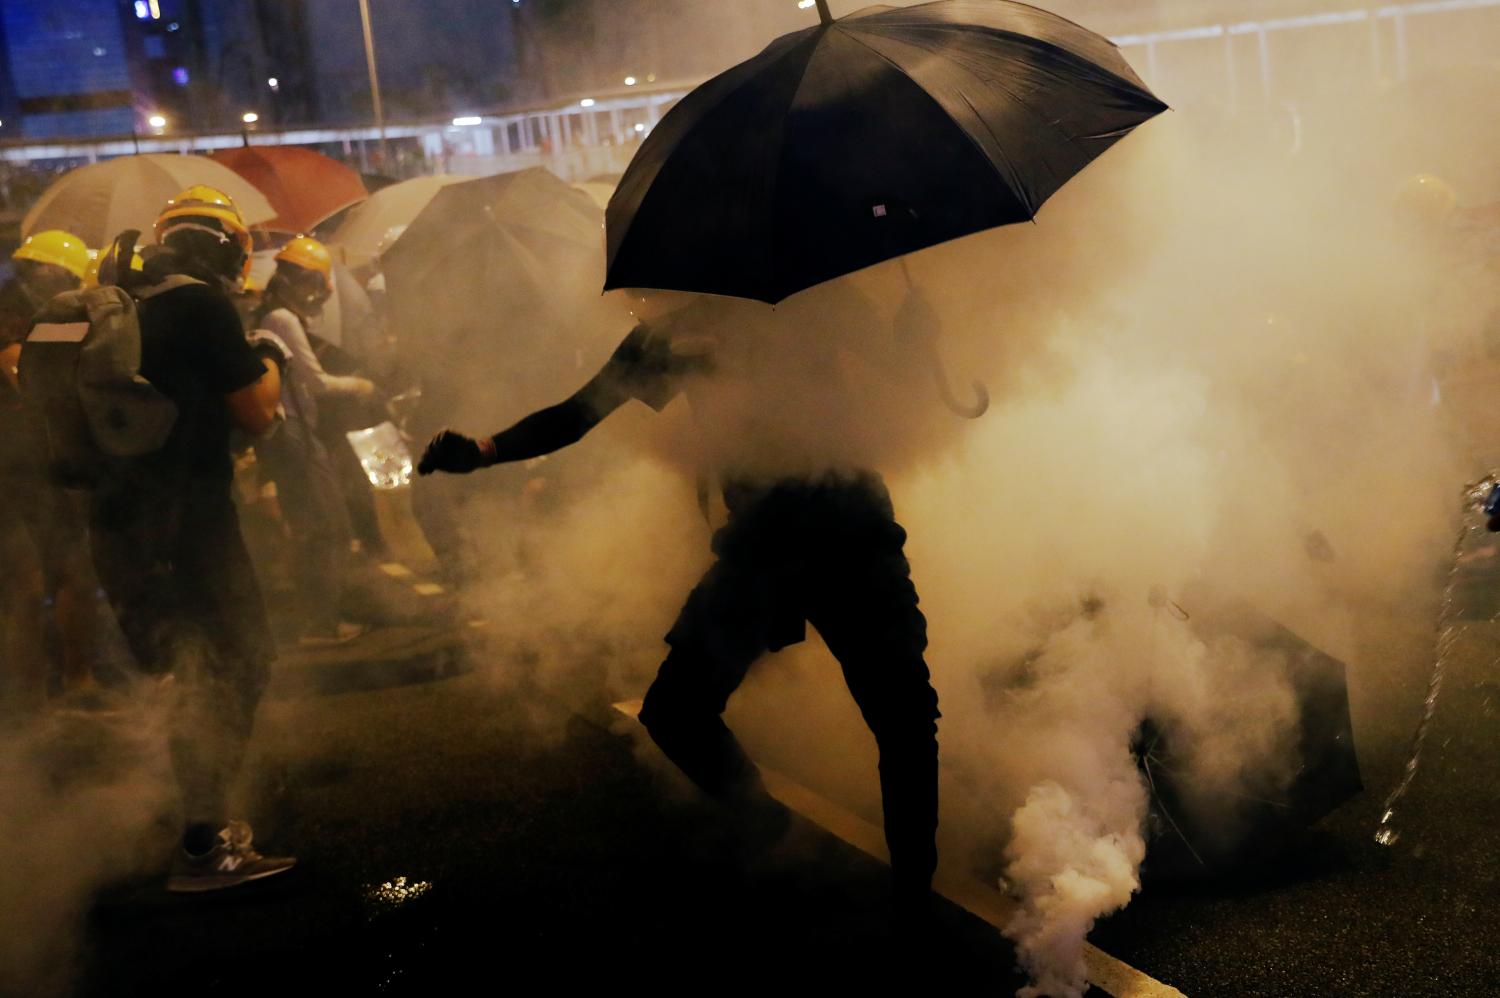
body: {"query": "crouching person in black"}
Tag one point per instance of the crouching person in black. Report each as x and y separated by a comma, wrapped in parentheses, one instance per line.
(821, 548)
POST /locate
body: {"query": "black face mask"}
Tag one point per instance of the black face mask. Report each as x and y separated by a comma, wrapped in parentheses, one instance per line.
(203, 255)
(303, 291)
(44, 281)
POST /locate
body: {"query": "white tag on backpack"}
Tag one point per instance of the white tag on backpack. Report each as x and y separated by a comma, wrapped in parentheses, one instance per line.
(58, 332)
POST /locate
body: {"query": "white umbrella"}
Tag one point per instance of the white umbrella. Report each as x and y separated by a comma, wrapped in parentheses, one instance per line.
(99, 201)
(600, 192)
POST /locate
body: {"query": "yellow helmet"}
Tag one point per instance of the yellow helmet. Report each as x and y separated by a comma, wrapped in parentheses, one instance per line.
(309, 254)
(206, 208)
(59, 248)
(1426, 200)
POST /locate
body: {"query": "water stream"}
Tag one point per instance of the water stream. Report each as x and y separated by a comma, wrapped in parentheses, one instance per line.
(1449, 630)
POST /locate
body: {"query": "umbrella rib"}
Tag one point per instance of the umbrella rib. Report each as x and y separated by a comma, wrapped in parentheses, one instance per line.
(612, 251)
(1132, 82)
(1150, 779)
(1009, 183)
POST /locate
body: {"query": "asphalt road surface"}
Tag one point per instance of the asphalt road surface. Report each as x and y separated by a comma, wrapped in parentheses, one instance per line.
(457, 834)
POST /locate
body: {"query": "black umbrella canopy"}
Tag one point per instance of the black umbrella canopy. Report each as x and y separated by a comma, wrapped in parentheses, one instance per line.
(487, 284)
(508, 229)
(863, 139)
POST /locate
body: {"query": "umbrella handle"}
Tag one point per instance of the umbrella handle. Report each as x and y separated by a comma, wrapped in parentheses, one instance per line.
(974, 410)
(928, 344)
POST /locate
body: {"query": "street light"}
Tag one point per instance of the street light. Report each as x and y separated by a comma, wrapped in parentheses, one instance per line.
(157, 121)
(249, 117)
(586, 102)
(273, 83)
(630, 81)
(364, 18)
(466, 121)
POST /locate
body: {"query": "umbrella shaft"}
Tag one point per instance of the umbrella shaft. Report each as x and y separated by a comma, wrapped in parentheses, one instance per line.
(823, 12)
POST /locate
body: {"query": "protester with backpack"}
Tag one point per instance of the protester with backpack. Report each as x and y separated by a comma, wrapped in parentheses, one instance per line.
(43, 535)
(296, 459)
(163, 374)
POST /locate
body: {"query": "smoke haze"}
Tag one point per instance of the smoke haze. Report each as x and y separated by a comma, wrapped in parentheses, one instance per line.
(1216, 360)
(1206, 355)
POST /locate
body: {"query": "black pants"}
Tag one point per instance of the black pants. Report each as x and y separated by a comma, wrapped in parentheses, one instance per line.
(175, 568)
(829, 553)
(313, 509)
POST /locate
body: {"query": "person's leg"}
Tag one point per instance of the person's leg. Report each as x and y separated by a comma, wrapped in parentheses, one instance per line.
(23, 683)
(127, 563)
(353, 487)
(718, 634)
(867, 614)
(317, 524)
(221, 661)
(60, 529)
(76, 627)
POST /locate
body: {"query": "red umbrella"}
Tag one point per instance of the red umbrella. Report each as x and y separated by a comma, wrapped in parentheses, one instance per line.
(304, 186)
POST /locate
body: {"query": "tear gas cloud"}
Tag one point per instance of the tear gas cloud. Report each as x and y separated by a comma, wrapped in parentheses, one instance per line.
(1214, 360)
(1215, 344)
(84, 807)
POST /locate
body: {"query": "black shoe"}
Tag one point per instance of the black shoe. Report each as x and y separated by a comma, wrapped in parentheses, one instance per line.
(231, 862)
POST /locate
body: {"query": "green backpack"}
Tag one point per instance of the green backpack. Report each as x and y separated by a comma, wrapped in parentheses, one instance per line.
(80, 370)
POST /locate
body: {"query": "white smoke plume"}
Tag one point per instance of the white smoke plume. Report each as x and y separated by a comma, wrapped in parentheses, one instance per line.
(1202, 355)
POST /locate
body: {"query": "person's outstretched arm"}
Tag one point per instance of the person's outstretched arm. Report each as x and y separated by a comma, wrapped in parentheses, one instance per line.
(640, 368)
(542, 432)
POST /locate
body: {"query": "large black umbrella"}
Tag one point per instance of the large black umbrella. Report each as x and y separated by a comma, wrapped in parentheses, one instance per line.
(865, 138)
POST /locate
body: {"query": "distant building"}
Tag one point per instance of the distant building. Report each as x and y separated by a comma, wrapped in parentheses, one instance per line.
(67, 71)
(102, 68)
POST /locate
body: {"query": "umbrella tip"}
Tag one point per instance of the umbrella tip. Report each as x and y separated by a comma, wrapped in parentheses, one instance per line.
(823, 13)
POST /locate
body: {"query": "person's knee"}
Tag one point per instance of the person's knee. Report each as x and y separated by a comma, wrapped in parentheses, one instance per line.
(672, 707)
(907, 725)
(663, 710)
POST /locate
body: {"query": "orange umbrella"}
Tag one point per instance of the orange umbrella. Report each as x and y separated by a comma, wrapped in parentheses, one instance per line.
(303, 186)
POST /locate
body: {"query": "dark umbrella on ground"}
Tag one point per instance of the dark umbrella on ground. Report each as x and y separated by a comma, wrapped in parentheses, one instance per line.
(1196, 829)
(864, 139)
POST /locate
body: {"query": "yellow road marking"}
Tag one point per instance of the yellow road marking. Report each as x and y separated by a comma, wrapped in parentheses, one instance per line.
(428, 589)
(395, 570)
(1116, 977)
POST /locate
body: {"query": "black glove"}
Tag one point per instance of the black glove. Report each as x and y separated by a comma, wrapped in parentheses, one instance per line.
(456, 454)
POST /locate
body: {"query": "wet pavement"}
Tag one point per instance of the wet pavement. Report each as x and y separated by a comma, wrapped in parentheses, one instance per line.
(456, 830)
(454, 835)
(1342, 915)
